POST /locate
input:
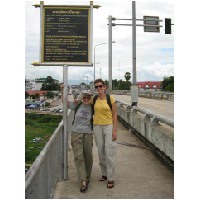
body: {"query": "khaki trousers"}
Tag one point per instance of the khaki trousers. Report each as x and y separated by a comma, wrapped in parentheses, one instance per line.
(82, 148)
(106, 149)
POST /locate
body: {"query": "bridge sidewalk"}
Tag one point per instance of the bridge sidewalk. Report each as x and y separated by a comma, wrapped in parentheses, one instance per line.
(139, 175)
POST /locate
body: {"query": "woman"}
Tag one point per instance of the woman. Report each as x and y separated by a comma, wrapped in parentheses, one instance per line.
(82, 140)
(105, 132)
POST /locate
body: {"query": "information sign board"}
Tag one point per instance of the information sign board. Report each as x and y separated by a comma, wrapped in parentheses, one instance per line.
(151, 24)
(66, 35)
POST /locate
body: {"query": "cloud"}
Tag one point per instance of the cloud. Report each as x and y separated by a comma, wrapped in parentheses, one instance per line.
(154, 51)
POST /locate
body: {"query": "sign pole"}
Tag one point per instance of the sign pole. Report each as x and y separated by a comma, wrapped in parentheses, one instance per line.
(41, 27)
(65, 122)
(134, 87)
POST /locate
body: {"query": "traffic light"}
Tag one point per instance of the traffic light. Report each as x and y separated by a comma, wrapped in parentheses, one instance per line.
(167, 26)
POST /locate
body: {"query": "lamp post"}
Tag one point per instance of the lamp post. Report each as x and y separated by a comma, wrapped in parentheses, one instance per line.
(94, 56)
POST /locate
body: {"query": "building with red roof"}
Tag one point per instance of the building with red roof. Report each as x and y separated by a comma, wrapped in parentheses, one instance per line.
(41, 93)
(153, 85)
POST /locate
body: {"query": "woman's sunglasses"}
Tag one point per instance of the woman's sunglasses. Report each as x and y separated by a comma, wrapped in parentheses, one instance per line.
(98, 86)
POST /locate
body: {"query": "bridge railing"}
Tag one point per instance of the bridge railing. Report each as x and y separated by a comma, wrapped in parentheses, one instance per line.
(149, 94)
(157, 129)
(47, 169)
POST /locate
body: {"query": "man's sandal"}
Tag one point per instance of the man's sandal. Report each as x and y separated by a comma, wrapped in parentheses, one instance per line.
(110, 184)
(103, 178)
(85, 186)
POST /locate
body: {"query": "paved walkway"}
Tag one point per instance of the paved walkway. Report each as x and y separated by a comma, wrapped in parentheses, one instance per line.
(139, 175)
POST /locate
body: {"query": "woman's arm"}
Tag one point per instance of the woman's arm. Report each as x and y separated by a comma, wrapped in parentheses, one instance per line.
(114, 115)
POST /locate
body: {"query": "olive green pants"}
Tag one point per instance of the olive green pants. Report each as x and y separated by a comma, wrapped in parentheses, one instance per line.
(82, 148)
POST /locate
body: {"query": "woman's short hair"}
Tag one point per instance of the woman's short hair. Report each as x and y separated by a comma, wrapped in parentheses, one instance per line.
(99, 80)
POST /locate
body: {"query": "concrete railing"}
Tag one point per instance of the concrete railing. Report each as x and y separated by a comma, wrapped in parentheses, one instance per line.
(157, 95)
(47, 169)
(157, 129)
(149, 94)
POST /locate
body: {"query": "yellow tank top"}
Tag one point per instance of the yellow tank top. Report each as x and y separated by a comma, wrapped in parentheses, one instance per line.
(102, 111)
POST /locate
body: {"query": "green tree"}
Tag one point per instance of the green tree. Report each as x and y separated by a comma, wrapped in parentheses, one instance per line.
(50, 94)
(26, 95)
(50, 85)
(168, 84)
(127, 76)
(115, 84)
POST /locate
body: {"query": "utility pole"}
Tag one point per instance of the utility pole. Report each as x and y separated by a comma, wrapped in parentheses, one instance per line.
(110, 53)
(134, 87)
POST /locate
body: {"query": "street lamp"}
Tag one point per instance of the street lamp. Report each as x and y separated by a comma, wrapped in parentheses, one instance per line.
(87, 75)
(94, 56)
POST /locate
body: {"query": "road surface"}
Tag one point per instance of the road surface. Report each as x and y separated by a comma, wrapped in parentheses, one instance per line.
(161, 107)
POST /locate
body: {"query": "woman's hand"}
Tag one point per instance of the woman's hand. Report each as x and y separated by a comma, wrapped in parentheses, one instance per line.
(114, 135)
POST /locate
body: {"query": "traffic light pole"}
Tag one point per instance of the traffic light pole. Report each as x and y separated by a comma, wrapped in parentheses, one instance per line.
(147, 23)
(110, 54)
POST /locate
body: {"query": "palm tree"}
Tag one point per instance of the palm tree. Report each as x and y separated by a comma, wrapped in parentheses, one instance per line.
(127, 76)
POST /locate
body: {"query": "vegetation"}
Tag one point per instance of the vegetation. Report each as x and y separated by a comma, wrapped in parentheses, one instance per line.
(121, 85)
(38, 130)
(127, 76)
(50, 85)
(168, 84)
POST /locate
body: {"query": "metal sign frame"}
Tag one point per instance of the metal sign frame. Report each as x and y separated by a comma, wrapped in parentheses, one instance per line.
(73, 47)
(151, 24)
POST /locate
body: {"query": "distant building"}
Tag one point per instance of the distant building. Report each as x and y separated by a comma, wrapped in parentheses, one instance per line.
(41, 93)
(152, 85)
(29, 84)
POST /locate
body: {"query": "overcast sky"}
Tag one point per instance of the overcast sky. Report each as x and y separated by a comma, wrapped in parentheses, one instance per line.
(154, 55)
(154, 51)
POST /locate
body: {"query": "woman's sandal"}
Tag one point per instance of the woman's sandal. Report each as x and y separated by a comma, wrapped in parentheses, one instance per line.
(103, 178)
(110, 184)
(84, 187)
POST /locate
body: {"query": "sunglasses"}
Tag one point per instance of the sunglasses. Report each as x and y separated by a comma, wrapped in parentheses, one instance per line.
(88, 98)
(98, 86)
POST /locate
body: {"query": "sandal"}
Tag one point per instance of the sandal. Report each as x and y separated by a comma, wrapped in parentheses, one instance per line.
(84, 187)
(103, 178)
(110, 184)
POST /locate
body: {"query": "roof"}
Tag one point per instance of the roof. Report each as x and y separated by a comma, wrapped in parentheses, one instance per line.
(151, 84)
(44, 80)
(33, 92)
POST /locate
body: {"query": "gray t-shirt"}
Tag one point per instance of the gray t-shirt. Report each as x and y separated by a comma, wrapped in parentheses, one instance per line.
(82, 121)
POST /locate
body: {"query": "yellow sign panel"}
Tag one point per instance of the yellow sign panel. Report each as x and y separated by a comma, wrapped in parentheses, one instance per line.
(66, 35)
